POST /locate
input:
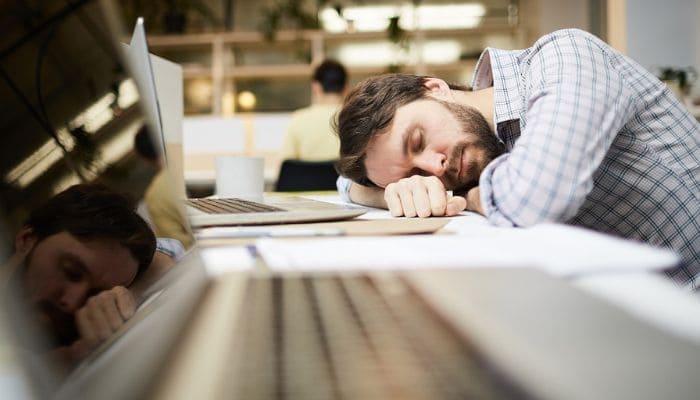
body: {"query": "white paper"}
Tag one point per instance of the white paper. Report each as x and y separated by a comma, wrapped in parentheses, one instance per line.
(559, 249)
(219, 260)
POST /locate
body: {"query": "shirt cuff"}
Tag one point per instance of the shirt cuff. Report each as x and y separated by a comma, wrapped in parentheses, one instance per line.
(343, 185)
(170, 247)
(488, 201)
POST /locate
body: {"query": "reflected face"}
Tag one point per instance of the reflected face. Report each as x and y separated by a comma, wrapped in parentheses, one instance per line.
(433, 138)
(62, 272)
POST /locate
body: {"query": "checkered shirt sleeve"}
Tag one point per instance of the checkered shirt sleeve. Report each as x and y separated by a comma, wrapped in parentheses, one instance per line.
(170, 247)
(602, 144)
(343, 185)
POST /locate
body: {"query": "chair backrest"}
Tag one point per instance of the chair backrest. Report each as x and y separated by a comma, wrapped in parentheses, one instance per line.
(300, 175)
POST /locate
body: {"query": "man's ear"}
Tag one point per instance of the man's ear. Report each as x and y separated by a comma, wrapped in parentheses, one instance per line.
(439, 89)
(25, 240)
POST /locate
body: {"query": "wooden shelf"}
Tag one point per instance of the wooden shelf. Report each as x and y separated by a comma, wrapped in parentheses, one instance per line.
(304, 70)
(219, 58)
(203, 39)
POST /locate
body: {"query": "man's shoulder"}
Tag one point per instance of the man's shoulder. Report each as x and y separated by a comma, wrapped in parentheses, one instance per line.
(566, 45)
(301, 111)
(569, 34)
(312, 114)
(299, 114)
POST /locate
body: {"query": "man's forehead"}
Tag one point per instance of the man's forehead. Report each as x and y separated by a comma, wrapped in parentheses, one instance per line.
(106, 260)
(114, 263)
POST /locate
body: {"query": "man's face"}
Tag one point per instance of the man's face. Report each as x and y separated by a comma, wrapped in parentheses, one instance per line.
(433, 138)
(61, 272)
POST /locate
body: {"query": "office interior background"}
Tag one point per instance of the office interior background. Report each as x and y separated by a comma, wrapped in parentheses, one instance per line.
(247, 64)
(232, 49)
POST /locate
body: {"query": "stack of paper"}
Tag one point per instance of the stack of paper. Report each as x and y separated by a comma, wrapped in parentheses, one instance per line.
(559, 249)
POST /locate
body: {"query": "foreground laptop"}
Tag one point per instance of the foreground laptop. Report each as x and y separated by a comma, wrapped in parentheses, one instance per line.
(257, 334)
(219, 211)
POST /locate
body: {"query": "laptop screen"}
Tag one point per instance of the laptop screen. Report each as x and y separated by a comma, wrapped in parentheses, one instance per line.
(70, 115)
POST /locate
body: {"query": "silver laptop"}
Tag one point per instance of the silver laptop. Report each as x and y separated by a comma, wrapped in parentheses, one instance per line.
(219, 211)
(256, 334)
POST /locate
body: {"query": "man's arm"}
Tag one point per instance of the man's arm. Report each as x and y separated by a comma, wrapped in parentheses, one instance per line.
(367, 196)
(473, 197)
(572, 117)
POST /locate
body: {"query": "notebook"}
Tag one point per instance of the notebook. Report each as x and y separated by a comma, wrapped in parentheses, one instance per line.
(220, 211)
(425, 334)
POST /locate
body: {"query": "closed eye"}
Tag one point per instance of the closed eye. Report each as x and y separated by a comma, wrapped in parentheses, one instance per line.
(72, 272)
(73, 268)
(417, 142)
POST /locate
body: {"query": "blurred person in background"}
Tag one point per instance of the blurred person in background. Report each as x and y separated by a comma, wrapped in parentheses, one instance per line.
(164, 213)
(310, 135)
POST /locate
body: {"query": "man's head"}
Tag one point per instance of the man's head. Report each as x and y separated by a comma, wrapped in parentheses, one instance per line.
(84, 240)
(395, 126)
(331, 76)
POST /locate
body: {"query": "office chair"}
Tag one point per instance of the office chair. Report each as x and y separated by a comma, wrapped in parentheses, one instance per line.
(299, 175)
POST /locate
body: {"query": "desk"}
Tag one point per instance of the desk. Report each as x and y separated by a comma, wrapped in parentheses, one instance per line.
(197, 368)
(573, 344)
(647, 295)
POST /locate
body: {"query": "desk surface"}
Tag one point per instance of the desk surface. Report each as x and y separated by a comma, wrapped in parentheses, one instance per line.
(648, 295)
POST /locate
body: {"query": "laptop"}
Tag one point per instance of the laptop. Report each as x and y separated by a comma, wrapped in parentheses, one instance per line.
(424, 334)
(216, 211)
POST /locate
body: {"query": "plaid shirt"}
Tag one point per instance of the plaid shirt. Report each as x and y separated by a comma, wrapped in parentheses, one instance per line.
(170, 247)
(594, 140)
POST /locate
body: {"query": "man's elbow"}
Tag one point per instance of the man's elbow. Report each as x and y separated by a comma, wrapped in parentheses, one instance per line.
(524, 216)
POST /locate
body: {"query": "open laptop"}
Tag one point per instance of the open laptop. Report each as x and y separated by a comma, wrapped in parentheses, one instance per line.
(218, 211)
(255, 334)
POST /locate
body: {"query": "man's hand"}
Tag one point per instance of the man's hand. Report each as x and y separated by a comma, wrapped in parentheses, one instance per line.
(103, 314)
(421, 196)
(474, 200)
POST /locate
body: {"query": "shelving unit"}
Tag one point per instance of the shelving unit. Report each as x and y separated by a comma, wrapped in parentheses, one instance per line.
(225, 59)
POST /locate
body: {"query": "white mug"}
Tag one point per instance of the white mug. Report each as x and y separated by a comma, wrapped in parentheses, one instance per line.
(240, 176)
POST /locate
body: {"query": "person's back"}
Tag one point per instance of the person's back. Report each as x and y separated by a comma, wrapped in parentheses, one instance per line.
(310, 135)
(163, 211)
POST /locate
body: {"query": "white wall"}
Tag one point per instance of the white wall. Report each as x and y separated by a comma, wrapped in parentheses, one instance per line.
(207, 137)
(663, 33)
(540, 17)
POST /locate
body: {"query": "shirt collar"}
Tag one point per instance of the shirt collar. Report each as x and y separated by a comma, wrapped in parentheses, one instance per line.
(500, 69)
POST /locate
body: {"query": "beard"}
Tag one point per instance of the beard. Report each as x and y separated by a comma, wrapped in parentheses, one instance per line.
(479, 138)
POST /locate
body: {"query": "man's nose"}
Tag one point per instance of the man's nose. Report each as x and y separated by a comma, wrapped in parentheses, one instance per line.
(432, 163)
(74, 296)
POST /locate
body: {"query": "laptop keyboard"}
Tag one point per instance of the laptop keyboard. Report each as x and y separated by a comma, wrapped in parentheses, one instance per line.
(351, 337)
(230, 206)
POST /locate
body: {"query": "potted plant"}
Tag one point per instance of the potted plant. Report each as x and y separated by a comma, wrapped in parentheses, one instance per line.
(169, 16)
(679, 80)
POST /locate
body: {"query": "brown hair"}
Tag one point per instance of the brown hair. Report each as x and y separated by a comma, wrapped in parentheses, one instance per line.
(368, 110)
(93, 211)
(331, 75)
